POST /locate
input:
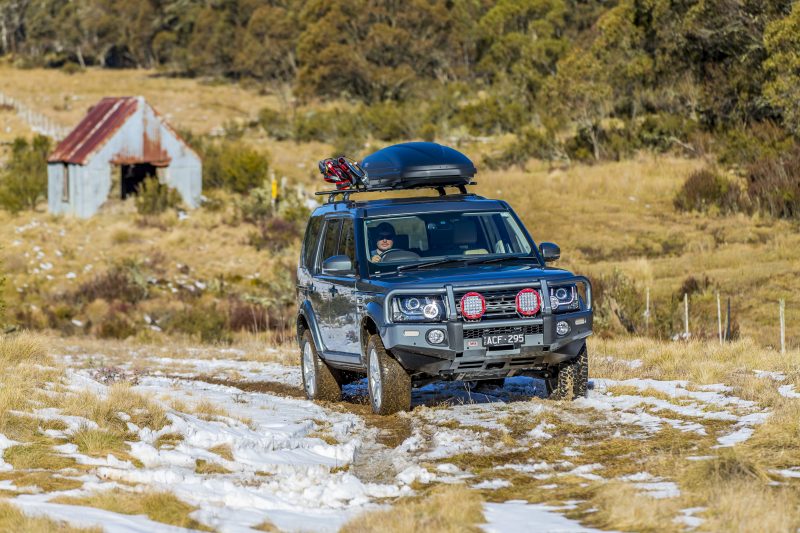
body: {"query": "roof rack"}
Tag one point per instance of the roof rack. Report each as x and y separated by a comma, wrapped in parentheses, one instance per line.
(441, 189)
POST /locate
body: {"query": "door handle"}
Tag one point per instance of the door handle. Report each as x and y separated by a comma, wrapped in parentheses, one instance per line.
(333, 290)
(310, 288)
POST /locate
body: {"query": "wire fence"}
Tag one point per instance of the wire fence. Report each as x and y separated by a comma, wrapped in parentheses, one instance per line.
(39, 123)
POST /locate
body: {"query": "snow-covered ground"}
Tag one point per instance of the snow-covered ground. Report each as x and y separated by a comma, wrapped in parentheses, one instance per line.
(302, 466)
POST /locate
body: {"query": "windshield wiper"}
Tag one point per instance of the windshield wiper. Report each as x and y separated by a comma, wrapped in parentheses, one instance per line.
(432, 263)
(498, 259)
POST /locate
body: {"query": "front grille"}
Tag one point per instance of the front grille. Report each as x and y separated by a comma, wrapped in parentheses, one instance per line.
(500, 304)
(478, 333)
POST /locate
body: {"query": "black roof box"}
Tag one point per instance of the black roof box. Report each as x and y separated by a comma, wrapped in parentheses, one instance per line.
(417, 164)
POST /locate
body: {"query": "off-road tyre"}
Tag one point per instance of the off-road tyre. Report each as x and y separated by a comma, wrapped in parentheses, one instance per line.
(321, 383)
(571, 379)
(392, 390)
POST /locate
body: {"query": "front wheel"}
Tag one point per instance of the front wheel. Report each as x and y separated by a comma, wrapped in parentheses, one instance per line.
(319, 380)
(571, 380)
(389, 383)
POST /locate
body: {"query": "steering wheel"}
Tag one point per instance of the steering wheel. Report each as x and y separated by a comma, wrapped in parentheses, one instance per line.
(398, 255)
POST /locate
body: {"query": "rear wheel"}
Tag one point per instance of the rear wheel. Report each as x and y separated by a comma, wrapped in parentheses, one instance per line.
(319, 380)
(571, 379)
(389, 383)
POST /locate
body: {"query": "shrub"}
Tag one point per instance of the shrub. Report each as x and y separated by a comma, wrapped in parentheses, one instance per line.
(620, 304)
(773, 184)
(234, 166)
(274, 234)
(154, 197)
(123, 282)
(24, 180)
(531, 143)
(759, 141)
(275, 124)
(206, 321)
(706, 188)
(665, 131)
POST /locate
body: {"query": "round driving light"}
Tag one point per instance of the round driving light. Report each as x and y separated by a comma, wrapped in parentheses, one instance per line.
(561, 293)
(412, 304)
(472, 306)
(528, 302)
(435, 336)
(562, 328)
(431, 311)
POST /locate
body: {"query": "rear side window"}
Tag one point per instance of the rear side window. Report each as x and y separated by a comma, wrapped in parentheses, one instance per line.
(311, 240)
(330, 240)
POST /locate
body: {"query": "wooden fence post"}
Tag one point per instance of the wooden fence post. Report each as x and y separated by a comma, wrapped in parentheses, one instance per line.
(782, 307)
(686, 315)
(719, 318)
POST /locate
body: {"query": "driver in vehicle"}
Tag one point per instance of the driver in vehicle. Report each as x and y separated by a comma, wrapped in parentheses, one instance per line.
(384, 241)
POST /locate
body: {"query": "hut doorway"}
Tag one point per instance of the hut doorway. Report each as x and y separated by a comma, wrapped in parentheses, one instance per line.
(132, 177)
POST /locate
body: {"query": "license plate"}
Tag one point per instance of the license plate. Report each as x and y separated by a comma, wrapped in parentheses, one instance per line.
(514, 339)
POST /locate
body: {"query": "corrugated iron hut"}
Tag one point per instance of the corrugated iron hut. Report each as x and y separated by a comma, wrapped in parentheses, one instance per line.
(117, 145)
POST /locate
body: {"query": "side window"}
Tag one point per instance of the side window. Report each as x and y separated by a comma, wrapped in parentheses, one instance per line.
(311, 240)
(347, 246)
(330, 240)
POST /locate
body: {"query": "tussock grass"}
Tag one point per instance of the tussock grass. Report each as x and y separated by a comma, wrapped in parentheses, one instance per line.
(621, 506)
(209, 467)
(748, 506)
(24, 347)
(13, 519)
(223, 450)
(208, 410)
(446, 509)
(46, 481)
(168, 439)
(121, 398)
(99, 442)
(162, 507)
(38, 455)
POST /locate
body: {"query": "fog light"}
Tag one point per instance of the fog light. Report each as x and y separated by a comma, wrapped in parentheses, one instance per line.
(562, 328)
(435, 336)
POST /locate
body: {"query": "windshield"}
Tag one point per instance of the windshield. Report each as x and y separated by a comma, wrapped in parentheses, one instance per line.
(416, 241)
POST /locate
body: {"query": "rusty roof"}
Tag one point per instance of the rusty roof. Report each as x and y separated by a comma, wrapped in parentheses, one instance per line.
(102, 120)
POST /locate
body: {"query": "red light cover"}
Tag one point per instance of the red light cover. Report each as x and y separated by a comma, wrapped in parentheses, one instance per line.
(473, 306)
(528, 302)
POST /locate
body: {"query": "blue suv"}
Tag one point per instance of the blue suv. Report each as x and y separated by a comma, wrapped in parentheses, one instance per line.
(447, 287)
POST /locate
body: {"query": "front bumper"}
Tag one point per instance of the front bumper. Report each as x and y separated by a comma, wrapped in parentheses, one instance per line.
(463, 355)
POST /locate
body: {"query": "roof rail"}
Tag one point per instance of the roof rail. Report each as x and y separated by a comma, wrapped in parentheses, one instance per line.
(441, 189)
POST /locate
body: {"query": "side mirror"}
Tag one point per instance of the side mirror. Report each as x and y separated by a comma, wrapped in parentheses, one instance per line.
(338, 264)
(550, 251)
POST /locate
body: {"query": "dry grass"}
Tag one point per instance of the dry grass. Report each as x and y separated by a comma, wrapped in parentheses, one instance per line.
(622, 507)
(223, 450)
(45, 480)
(22, 348)
(121, 398)
(37, 455)
(162, 507)
(12, 519)
(209, 467)
(208, 410)
(446, 509)
(99, 442)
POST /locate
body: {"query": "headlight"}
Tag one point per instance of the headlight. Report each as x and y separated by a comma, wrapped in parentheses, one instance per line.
(417, 309)
(564, 299)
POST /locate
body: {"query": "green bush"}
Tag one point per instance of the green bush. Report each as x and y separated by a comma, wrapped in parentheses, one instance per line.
(275, 124)
(154, 197)
(773, 184)
(758, 142)
(531, 143)
(235, 166)
(23, 182)
(665, 131)
(206, 321)
(706, 188)
(492, 115)
(274, 234)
